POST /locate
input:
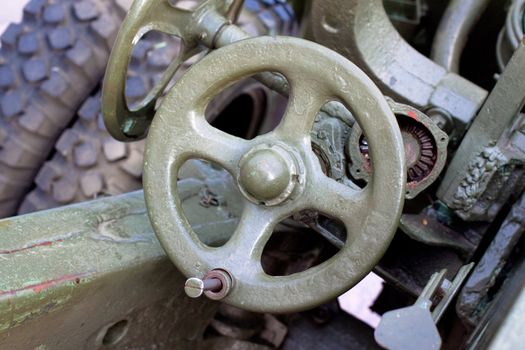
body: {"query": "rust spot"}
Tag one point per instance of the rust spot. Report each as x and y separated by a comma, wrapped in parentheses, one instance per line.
(412, 115)
(39, 244)
(38, 287)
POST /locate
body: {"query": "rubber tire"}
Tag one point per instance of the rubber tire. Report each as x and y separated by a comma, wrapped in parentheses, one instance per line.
(88, 163)
(49, 63)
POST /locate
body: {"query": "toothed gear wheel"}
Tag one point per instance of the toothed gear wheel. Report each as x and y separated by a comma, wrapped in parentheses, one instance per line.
(420, 151)
(425, 149)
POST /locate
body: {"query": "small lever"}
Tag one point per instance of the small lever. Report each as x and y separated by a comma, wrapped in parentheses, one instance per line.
(414, 327)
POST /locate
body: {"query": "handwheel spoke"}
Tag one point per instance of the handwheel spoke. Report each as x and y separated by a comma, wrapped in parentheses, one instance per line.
(303, 105)
(255, 228)
(198, 140)
(341, 202)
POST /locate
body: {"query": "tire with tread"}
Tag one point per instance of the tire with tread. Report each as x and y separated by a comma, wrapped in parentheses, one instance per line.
(88, 163)
(49, 63)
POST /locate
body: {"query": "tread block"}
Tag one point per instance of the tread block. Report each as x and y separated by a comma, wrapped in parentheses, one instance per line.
(162, 57)
(79, 54)
(140, 51)
(283, 14)
(85, 11)
(90, 109)
(268, 19)
(55, 86)
(7, 76)
(67, 141)
(85, 154)
(135, 87)
(36, 122)
(11, 34)
(12, 103)
(54, 14)
(3, 136)
(46, 176)
(252, 5)
(61, 38)
(91, 184)
(29, 43)
(64, 190)
(114, 150)
(33, 9)
(16, 156)
(133, 165)
(105, 28)
(100, 123)
(35, 70)
(33, 202)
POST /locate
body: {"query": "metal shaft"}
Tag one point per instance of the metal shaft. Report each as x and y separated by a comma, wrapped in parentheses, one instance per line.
(451, 37)
(231, 33)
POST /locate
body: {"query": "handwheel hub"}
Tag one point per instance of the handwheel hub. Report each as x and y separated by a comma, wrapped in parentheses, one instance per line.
(267, 174)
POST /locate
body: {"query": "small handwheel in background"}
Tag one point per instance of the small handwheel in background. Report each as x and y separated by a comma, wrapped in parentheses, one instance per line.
(88, 163)
(130, 124)
(278, 173)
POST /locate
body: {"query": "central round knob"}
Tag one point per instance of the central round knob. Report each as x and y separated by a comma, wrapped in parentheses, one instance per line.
(265, 175)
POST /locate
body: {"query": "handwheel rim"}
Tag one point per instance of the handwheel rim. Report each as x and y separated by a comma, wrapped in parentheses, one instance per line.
(130, 124)
(258, 291)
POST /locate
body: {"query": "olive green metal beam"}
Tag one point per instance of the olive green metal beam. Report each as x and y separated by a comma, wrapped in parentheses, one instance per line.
(465, 182)
(93, 275)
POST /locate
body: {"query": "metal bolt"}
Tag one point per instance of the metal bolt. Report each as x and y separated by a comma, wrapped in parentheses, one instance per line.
(195, 287)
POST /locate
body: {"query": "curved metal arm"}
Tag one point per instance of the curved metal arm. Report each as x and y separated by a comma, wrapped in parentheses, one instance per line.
(453, 31)
(361, 31)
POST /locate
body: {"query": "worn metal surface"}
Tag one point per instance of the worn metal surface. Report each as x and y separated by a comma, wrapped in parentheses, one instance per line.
(470, 306)
(453, 32)
(180, 132)
(329, 138)
(502, 325)
(361, 31)
(430, 227)
(93, 275)
(484, 173)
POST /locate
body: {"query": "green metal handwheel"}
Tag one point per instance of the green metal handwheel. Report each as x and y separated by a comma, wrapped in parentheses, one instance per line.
(278, 173)
(131, 124)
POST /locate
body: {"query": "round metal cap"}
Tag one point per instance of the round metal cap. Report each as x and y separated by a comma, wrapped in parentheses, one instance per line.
(194, 287)
(267, 175)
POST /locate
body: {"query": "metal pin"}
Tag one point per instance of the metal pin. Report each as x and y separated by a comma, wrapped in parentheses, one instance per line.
(195, 287)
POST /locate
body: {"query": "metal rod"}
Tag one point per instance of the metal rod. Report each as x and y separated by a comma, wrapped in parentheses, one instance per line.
(232, 33)
(212, 284)
(453, 31)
